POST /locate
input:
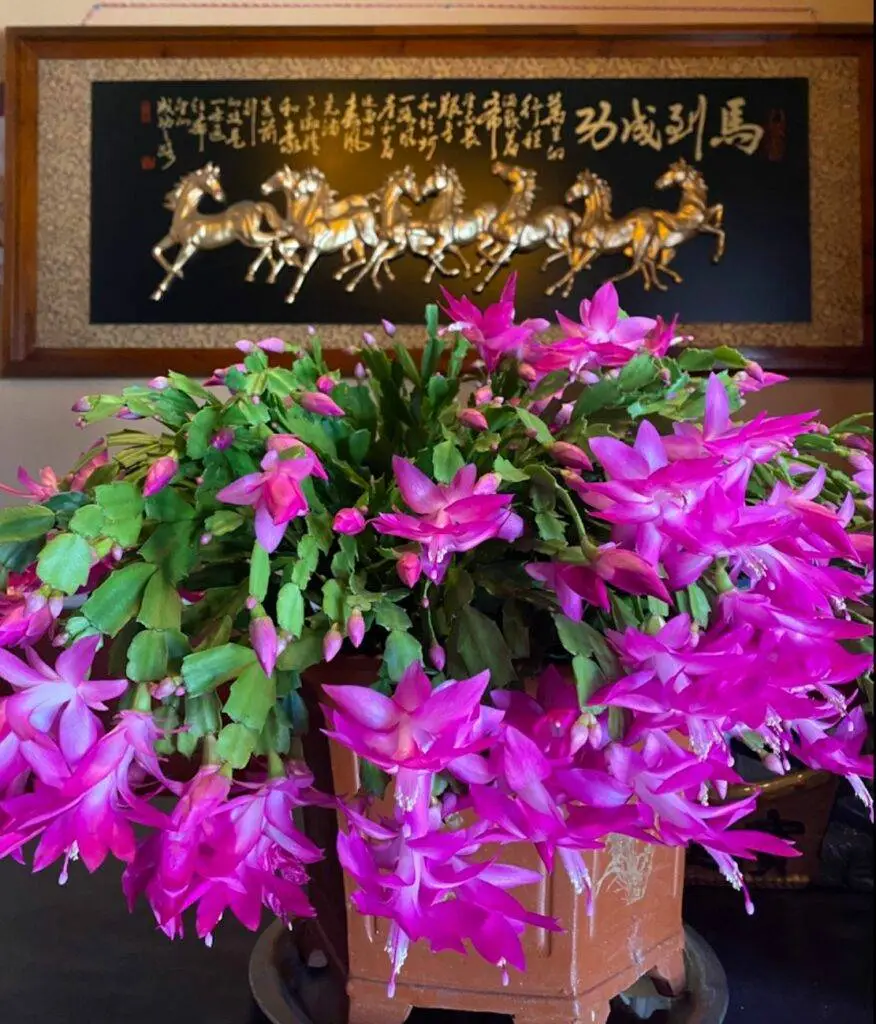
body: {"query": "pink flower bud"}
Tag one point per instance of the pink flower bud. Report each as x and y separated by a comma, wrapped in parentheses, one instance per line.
(473, 418)
(437, 656)
(526, 372)
(165, 688)
(82, 405)
(359, 372)
(331, 643)
(311, 330)
(161, 472)
(349, 521)
(125, 414)
(205, 539)
(244, 346)
(570, 455)
(256, 399)
(369, 338)
(326, 384)
(272, 345)
(319, 404)
(409, 568)
(159, 383)
(388, 327)
(117, 552)
(263, 636)
(483, 395)
(356, 627)
(223, 439)
(80, 422)
(250, 603)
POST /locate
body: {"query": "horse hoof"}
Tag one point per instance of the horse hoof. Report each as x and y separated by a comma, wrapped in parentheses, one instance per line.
(157, 295)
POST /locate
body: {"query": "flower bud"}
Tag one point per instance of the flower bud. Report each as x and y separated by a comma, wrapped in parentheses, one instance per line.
(244, 346)
(409, 568)
(276, 345)
(223, 439)
(473, 418)
(319, 404)
(359, 372)
(326, 384)
(331, 643)
(263, 636)
(356, 627)
(388, 327)
(349, 521)
(82, 405)
(369, 339)
(205, 539)
(161, 472)
(437, 656)
(159, 383)
(570, 455)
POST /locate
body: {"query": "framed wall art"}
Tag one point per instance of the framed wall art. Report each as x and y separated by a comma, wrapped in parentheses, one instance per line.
(171, 191)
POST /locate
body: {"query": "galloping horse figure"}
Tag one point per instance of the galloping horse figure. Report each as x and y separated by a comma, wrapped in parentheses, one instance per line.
(446, 227)
(191, 230)
(394, 224)
(599, 234)
(694, 216)
(515, 229)
(326, 234)
(303, 208)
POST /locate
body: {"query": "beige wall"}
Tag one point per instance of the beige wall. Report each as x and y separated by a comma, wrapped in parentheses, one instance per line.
(36, 426)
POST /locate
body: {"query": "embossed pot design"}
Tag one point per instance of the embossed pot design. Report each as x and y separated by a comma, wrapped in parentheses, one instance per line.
(635, 928)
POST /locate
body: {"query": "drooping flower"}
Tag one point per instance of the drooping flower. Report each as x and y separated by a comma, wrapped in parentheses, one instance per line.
(450, 517)
(159, 475)
(26, 612)
(91, 814)
(863, 476)
(755, 378)
(60, 701)
(349, 521)
(36, 490)
(275, 492)
(492, 331)
(575, 584)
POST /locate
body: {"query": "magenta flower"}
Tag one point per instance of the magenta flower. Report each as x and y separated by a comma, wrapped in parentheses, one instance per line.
(63, 696)
(221, 852)
(276, 491)
(755, 378)
(416, 730)
(493, 331)
(838, 751)
(576, 584)
(759, 440)
(450, 517)
(20, 759)
(160, 473)
(349, 521)
(26, 613)
(326, 384)
(864, 475)
(320, 404)
(36, 490)
(91, 813)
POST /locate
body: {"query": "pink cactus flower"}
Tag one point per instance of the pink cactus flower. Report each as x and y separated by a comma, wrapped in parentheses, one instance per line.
(349, 521)
(160, 473)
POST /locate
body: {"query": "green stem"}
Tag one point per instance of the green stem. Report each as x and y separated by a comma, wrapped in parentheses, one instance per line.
(588, 548)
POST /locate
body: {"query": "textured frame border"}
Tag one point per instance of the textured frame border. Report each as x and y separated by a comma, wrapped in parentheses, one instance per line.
(51, 335)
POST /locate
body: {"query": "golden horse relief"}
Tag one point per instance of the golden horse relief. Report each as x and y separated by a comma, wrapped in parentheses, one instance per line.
(516, 229)
(192, 230)
(372, 230)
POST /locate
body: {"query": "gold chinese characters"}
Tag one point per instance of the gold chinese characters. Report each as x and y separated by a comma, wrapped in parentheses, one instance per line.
(372, 230)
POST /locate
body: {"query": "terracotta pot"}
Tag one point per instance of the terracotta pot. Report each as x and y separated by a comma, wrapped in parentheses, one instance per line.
(635, 928)
(796, 806)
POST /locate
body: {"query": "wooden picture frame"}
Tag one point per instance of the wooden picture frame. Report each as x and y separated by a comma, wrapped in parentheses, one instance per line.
(29, 51)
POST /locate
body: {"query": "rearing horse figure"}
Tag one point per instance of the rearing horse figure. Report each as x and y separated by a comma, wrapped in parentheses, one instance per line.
(191, 230)
(694, 216)
(447, 227)
(515, 229)
(394, 223)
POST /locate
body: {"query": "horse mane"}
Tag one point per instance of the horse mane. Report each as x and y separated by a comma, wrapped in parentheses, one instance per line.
(603, 192)
(528, 194)
(171, 198)
(458, 189)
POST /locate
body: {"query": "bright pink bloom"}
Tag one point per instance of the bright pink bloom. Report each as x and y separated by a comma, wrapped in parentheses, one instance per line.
(450, 517)
(759, 440)
(755, 378)
(26, 614)
(492, 331)
(576, 584)
(62, 697)
(160, 473)
(864, 475)
(416, 730)
(36, 490)
(349, 521)
(91, 813)
(320, 404)
(276, 491)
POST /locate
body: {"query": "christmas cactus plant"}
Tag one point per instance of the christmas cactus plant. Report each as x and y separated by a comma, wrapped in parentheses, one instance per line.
(582, 580)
